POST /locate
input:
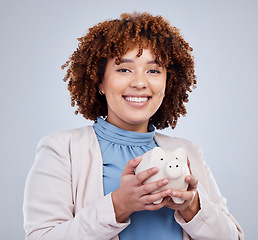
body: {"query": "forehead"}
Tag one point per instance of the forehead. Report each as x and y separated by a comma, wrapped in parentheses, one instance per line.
(137, 51)
(131, 57)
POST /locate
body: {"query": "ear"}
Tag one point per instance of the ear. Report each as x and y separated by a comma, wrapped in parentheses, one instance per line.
(156, 154)
(157, 151)
(181, 154)
(101, 88)
(152, 154)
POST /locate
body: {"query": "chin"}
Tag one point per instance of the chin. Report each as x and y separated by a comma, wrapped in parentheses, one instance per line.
(138, 122)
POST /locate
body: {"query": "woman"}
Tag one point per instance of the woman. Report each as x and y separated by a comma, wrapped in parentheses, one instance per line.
(129, 75)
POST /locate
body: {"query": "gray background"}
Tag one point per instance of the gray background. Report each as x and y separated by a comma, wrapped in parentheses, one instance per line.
(37, 37)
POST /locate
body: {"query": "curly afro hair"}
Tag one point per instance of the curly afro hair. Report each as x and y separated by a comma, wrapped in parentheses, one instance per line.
(113, 39)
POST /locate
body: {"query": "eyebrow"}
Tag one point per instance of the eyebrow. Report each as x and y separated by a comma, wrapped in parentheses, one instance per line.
(125, 60)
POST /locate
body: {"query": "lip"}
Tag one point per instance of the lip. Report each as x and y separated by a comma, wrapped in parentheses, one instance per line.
(137, 100)
(137, 95)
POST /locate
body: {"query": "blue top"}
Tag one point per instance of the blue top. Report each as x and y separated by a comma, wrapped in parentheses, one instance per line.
(117, 147)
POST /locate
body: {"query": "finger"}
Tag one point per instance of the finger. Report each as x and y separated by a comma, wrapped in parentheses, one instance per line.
(192, 180)
(151, 198)
(185, 195)
(154, 186)
(142, 176)
(131, 165)
(154, 207)
(189, 165)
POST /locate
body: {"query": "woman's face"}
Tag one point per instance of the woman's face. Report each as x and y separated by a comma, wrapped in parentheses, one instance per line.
(134, 90)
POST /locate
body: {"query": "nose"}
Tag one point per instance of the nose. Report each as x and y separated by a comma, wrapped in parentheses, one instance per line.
(139, 81)
(174, 169)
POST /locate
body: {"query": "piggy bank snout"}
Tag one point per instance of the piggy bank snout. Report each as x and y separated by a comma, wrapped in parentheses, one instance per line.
(174, 169)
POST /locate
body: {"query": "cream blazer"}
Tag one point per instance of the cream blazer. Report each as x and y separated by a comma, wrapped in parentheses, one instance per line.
(64, 196)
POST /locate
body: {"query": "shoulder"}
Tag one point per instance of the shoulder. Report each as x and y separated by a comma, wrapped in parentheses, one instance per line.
(68, 137)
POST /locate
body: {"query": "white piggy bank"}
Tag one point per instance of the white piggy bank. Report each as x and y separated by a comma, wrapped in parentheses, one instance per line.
(171, 165)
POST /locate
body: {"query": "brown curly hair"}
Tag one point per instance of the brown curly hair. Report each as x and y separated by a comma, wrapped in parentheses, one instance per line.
(114, 38)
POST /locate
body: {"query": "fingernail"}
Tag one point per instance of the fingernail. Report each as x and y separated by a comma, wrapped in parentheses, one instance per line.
(154, 170)
(168, 192)
(189, 178)
(174, 194)
(165, 181)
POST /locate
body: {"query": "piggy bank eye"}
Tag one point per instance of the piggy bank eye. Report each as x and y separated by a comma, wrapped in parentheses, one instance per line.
(176, 158)
(176, 165)
(161, 159)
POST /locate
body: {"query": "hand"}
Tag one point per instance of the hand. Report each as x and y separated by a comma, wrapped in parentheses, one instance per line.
(191, 205)
(133, 196)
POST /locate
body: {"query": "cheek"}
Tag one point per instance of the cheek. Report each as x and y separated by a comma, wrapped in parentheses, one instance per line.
(160, 88)
(110, 86)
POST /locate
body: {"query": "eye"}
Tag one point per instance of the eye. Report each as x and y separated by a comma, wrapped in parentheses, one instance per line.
(176, 165)
(123, 70)
(176, 158)
(154, 71)
(161, 159)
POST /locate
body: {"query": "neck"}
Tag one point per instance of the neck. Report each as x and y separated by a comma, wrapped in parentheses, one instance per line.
(141, 128)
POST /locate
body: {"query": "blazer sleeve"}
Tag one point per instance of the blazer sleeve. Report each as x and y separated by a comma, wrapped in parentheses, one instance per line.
(213, 221)
(49, 202)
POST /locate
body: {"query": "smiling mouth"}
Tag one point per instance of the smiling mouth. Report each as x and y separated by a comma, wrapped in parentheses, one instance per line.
(137, 99)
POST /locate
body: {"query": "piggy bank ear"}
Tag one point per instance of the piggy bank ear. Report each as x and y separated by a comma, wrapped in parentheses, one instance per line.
(154, 153)
(157, 153)
(181, 155)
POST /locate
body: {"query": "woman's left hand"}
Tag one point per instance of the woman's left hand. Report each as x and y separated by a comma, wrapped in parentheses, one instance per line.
(191, 205)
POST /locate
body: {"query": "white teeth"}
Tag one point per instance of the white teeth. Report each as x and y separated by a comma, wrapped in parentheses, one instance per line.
(136, 99)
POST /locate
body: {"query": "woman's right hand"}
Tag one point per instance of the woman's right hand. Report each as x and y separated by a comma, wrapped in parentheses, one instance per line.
(133, 196)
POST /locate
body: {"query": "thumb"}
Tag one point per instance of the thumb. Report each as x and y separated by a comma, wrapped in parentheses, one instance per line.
(189, 165)
(131, 165)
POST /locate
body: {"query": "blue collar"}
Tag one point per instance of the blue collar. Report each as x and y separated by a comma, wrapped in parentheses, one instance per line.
(114, 134)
